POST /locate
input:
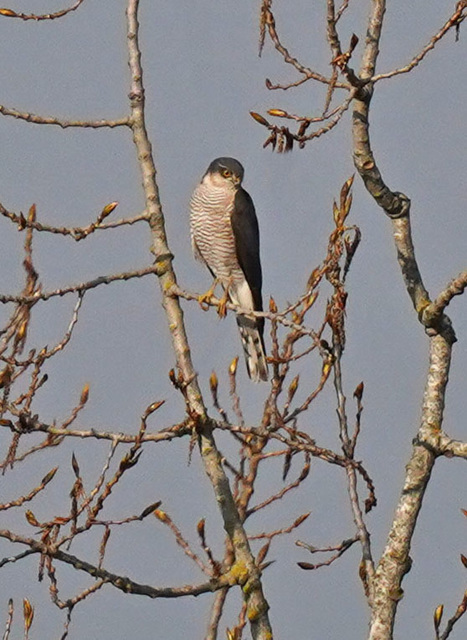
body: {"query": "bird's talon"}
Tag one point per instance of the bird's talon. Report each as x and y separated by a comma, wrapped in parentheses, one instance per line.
(222, 308)
(204, 301)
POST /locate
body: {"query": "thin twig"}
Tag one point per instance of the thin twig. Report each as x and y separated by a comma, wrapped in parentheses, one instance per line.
(81, 287)
(64, 124)
(8, 13)
(453, 22)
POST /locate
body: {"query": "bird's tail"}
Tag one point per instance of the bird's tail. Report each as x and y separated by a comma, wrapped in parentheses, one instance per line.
(253, 348)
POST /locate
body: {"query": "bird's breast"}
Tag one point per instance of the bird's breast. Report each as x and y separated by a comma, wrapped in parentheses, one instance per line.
(211, 231)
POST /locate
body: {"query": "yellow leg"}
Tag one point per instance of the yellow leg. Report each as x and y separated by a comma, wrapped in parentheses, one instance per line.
(205, 299)
(222, 308)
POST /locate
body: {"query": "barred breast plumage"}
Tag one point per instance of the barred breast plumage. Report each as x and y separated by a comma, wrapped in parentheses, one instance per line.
(212, 237)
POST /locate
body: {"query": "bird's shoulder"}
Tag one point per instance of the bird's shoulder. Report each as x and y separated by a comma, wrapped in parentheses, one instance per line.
(244, 202)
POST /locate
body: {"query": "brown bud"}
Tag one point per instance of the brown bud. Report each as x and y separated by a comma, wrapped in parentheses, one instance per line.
(233, 366)
(22, 222)
(129, 460)
(213, 382)
(200, 527)
(438, 614)
(28, 613)
(259, 118)
(301, 519)
(262, 553)
(161, 515)
(346, 188)
(5, 376)
(152, 507)
(49, 476)
(278, 113)
(32, 213)
(335, 213)
(20, 334)
(75, 465)
(84, 394)
(107, 210)
(293, 387)
(153, 407)
(358, 393)
(31, 518)
(304, 473)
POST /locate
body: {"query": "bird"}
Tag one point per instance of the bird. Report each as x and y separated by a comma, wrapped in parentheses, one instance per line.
(225, 237)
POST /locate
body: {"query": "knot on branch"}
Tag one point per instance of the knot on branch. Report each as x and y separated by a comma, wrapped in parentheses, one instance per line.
(364, 90)
(396, 204)
(136, 97)
(436, 322)
(163, 263)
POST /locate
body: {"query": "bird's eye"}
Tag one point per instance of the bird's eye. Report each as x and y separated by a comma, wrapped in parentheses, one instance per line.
(226, 173)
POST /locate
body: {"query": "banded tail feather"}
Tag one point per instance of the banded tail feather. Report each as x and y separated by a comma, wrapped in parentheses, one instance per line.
(253, 348)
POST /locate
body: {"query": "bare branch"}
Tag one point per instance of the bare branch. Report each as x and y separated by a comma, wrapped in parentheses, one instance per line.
(216, 614)
(9, 621)
(120, 582)
(81, 287)
(284, 530)
(8, 13)
(460, 611)
(455, 288)
(268, 20)
(340, 550)
(77, 233)
(280, 494)
(164, 517)
(280, 317)
(395, 561)
(64, 124)
(32, 494)
(454, 21)
(341, 10)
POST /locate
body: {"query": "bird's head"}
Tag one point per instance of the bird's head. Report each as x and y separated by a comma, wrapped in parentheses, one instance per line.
(222, 170)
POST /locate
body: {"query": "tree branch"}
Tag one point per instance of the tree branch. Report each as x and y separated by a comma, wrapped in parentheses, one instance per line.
(81, 287)
(455, 288)
(123, 583)
(247, 572)
(64, 124)
(395, 561)
(454, 21)
(8, 13)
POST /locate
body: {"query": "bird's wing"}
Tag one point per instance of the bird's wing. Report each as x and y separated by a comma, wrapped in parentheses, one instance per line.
(246, 235)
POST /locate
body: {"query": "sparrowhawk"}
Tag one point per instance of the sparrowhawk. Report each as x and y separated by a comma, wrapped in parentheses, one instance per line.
(225, 237)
